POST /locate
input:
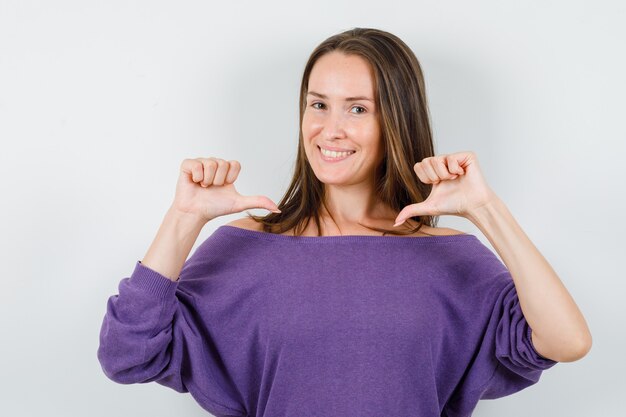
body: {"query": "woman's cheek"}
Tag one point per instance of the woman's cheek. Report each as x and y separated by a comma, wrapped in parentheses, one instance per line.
(311, 127)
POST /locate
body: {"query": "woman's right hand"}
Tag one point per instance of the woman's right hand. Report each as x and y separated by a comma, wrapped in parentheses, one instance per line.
(206, 189)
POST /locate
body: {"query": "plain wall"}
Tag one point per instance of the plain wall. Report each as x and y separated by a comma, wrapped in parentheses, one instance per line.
(101, 101)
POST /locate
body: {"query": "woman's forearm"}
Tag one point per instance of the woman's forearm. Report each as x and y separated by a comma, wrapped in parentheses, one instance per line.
(171, 246)
(559, 330)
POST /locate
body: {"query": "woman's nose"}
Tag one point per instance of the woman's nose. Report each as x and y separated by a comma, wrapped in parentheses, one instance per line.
(334, 125)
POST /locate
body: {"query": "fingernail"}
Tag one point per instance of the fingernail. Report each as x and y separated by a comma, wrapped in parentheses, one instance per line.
(398, 223)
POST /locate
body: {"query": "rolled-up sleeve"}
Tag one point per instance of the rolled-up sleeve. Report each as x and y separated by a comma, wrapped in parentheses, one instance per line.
(505, 360)
(150, 333)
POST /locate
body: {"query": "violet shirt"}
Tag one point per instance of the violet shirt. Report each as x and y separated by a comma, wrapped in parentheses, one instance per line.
(269, 325)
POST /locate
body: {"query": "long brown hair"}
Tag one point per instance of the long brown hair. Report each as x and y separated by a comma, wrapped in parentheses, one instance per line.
(405, 131)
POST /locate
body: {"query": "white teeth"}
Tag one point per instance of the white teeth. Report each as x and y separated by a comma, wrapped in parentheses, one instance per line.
(333, 154)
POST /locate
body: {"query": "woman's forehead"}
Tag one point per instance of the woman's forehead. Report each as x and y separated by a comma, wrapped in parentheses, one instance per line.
(340, 76)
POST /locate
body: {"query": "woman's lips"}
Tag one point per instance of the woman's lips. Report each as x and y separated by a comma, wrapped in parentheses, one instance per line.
(330, 159)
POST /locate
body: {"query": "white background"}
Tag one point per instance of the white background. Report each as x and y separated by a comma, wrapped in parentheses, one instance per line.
(101, 101)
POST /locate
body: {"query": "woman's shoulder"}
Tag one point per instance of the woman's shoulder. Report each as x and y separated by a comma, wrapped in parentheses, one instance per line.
(246, 223)
(442, 231)
(250, 224)
(436, 231)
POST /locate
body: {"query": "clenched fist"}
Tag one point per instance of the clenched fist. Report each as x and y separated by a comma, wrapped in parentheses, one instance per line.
(206, 189)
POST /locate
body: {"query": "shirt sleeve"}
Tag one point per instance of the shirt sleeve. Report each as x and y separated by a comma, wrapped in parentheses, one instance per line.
(151, 332)
(505, 360)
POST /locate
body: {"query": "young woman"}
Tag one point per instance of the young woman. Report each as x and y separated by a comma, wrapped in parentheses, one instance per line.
(346, 300)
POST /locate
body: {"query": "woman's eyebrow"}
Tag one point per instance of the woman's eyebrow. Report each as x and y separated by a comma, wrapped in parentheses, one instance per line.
(347, 98)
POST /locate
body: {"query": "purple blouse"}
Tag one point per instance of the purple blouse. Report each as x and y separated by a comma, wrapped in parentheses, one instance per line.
(269, 325)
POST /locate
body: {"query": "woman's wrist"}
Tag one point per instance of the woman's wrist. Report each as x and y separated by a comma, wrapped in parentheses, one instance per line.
(171, 246)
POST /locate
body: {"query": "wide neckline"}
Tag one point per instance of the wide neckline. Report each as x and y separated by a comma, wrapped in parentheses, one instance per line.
(238, 231)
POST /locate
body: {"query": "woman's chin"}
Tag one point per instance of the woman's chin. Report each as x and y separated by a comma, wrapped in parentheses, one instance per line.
(334, 180)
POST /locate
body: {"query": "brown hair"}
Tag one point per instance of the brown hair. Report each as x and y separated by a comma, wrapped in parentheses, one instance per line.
(405, 131)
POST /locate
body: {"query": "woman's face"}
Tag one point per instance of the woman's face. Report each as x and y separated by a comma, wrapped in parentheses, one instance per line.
(340, 115)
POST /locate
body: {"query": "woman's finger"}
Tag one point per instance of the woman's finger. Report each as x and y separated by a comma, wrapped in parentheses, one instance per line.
(222, 170)
(196, 170)
(419, 170)
(441, 169)
(453, 165)
(233, 171)
(430, 172)
(208, 167)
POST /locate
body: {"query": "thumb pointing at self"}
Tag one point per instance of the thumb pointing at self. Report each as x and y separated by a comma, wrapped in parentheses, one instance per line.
(259, 201)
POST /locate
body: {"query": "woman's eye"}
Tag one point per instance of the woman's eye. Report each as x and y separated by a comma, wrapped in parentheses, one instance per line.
(354, 107)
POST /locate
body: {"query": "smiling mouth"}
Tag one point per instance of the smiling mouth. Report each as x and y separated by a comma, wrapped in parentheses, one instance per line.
(332, 156)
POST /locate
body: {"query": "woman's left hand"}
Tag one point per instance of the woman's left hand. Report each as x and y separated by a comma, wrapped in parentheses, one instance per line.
(458, 186)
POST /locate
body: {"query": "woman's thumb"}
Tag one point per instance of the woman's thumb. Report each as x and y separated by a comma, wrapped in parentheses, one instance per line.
(259, 201)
